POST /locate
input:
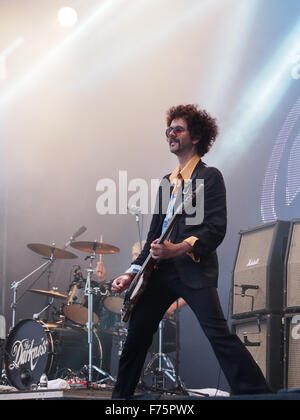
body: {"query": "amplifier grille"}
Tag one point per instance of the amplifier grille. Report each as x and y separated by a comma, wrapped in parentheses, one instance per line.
(256, 337)
(293, 269)
(251, 269)
(293, 358)
(262, 336)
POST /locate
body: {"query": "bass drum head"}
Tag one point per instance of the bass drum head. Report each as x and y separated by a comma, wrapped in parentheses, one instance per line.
(27, 352)
(33, 348)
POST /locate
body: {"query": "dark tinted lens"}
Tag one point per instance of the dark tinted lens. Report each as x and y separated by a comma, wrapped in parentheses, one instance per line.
(176, 130)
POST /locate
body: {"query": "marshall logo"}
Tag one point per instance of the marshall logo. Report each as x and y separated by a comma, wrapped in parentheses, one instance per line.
(26, 351)
(251, 262)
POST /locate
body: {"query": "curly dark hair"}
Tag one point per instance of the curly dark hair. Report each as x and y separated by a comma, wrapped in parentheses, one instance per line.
(200, 124)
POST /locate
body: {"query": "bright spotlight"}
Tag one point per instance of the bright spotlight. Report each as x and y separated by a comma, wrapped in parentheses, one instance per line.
(67, 17)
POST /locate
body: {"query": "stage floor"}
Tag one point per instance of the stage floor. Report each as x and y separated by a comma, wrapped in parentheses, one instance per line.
(106, 395)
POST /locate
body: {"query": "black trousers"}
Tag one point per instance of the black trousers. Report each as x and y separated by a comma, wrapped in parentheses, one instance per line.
(242, 372)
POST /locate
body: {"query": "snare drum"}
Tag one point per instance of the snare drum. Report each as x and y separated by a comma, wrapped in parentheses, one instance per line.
(33, 348)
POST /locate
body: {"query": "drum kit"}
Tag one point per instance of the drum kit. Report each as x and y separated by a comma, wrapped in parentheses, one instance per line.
(69, 346)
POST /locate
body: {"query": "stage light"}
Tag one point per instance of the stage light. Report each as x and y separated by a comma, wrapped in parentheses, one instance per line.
(101, 13)
(233, 36)
(67, 17)
(295, 71)
(6, 53)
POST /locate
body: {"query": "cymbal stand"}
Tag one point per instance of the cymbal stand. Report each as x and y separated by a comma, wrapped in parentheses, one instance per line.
(15, 285)
(37, 316)
(180, 385)
(160, 372)
(89, 292)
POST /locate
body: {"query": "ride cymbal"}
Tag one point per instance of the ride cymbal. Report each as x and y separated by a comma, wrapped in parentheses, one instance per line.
(95, 247)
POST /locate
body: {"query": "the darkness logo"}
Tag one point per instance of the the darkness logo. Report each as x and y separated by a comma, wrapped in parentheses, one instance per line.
(26, 352)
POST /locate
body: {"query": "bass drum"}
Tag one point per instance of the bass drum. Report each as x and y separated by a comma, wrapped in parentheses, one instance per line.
(33, 348)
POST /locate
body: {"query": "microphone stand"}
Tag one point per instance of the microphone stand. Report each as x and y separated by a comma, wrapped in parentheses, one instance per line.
(137, 219)
(75, 235)
(136, 212)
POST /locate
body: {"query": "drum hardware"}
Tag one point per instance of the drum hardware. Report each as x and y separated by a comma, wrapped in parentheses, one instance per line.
(89, 291)
(120, 330)
(15, 285)
(51, 253)
(3, 378)
(75, 308)
(161, 358)
(37, 315)
(164, 367)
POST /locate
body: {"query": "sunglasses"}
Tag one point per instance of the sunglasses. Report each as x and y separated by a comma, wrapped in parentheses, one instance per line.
(176, 130)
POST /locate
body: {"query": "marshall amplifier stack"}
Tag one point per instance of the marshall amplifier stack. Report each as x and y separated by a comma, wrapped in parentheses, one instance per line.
(258, 290)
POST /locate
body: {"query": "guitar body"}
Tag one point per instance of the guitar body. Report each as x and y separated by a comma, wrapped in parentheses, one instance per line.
(136, 289)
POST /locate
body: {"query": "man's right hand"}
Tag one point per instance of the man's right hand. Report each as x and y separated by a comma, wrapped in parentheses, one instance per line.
(121, 283)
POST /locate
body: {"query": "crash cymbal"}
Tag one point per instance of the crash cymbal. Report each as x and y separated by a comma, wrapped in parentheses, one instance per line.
(50, 293)
(97, 247)
(48, 251)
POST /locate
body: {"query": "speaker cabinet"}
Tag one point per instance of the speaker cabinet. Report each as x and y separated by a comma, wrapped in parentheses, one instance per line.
(259, 270)
(2, 344)
(263, 337)
(292, 351)
(292, 269)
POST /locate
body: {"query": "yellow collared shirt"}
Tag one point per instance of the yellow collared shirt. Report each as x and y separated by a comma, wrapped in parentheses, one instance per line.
(176, 178)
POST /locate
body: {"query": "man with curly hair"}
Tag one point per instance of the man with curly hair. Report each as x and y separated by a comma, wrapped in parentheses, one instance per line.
(186, 266)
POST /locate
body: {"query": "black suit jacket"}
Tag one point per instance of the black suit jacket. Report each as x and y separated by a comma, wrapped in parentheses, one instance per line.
(210, 232)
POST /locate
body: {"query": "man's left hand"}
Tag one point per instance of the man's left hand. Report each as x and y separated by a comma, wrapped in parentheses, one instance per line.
(168, 250)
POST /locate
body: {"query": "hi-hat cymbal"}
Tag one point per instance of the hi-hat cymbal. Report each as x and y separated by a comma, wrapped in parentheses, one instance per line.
(48, 251)
(50, 293)
(97, 247)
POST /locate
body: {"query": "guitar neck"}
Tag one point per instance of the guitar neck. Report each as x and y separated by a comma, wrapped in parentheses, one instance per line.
(162, 238)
